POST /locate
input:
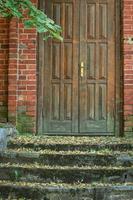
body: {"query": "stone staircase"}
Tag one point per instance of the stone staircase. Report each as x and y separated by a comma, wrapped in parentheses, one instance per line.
(67, 168)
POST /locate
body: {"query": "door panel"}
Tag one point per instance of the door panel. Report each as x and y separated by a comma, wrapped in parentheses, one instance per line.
(61, 70)
(79, 80)
(97, 51)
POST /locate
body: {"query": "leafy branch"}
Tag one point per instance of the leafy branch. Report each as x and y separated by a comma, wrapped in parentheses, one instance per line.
(35, 17)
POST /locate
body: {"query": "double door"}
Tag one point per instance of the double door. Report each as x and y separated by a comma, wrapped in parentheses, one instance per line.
(79, 74)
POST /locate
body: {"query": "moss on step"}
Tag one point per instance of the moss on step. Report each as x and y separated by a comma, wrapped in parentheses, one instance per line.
(63, 191)
(71, 140)
(63, 185)
(42, 173)
(74, 152)
(72, 143)
(70, 158)
(41, 166)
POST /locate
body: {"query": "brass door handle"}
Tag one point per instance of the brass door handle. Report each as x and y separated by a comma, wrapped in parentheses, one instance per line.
(82, 69)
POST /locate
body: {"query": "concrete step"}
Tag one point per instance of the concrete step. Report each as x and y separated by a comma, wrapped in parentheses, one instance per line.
(61, 143)
(67, 168)
(54, 191)
(66, 174)
(70, 158)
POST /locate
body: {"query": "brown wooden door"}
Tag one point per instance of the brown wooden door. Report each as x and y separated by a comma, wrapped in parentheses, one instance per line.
(97, 51)
(78, 76)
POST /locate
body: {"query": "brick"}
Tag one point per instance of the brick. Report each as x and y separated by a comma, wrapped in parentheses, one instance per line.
(128, 63)
(4, 46)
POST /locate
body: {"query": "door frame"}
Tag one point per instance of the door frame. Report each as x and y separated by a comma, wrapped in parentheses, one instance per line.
(119, 89)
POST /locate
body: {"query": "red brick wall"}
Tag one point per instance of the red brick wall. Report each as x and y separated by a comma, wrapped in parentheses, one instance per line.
(22, 76)
(128, 64)
(4, 45)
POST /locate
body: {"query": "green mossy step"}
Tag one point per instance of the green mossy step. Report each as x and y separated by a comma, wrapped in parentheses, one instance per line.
(71, 140)
(71, 158)
(54, 191)
(66, 174)
(62, 143)
(70, 147)
(44, 168)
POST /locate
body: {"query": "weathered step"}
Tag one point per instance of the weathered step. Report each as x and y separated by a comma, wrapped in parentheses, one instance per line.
(28, 191)
(71, 143)
(70, 147)
(71, 158)
(41, 173)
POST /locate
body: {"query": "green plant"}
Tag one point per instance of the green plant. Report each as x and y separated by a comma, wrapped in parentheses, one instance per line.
(32, 17)
(15, 175)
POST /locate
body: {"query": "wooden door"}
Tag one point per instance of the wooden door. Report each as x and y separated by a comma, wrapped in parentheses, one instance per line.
(97, 51)
(61, 70)
(79, 74)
